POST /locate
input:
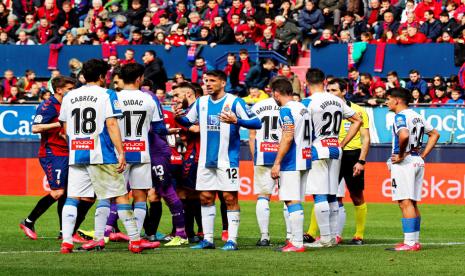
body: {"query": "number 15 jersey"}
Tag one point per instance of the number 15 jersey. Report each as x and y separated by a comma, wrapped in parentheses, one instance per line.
(85, 110)
(327, 112)
(139, 110)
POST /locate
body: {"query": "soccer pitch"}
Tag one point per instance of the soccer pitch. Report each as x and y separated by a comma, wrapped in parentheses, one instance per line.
(442, 236)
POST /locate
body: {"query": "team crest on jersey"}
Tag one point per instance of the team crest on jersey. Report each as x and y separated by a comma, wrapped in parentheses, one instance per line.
(248, 110)
(38, 119)
(213, 123)
(226, 108)
(116, 104)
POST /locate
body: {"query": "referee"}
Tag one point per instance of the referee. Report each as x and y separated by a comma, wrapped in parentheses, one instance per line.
(352, 169)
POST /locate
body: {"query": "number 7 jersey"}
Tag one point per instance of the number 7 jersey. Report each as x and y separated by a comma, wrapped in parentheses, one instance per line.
(85, 110)
(416, 125)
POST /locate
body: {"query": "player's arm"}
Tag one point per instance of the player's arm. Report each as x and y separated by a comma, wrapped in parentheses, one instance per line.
(365, 136)
(284, 145)
(356, 122)
(252, 135)
(433, 137)
(40, 128)
(244, 118)
(403, 134)
(115, 136)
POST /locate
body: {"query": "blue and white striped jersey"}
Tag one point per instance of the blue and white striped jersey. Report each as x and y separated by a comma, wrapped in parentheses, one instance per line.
(294, 116)
(416, 125)
(85, 110)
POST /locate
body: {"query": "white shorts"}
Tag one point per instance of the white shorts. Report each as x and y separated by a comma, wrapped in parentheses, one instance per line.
(407, 178)
(139, 176)
(217, 179)
(263, 184)
(323, 178)
(101, 179)
(341, 189)
(292, 185)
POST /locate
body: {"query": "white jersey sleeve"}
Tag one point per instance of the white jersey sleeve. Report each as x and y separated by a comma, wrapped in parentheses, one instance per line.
(416, 125)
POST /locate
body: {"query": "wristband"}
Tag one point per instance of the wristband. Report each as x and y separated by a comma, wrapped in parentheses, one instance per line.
(362, 162)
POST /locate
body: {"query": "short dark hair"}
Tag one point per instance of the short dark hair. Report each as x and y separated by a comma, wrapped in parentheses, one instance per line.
(366, 75)
(430, 12)
(444, 13)
(131, 71)
(93, 69)
(342, 84)
(353, 69)
(283, 86)
(414, 71)
(315, 76)
(116, 72)
(243, 51)
(197, 89)
(400, 93)
(61, 81)
(147, 82)
(151, 52)
(187, 85)
(217, 73)
(296, 95)
(393, 73)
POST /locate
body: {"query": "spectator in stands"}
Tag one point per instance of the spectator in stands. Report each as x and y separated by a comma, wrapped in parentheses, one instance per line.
(221, 32)
(332, 9)
(437, 82)
(260, 75)
(461, 37)
(70, 39)
(137, 38)
(204, 39)
(296, 97)
(285, 71)
(15, 96)
(176, 38)
(45, 33)
(417, 97)
(445, 38)
(393, 80)
(255, 95)
(199, 70)
(370, 82)
(417, 82)
(48, 11)
(33, 94)
(22, 8)
(411, 21)
(245, 64)
(200, 8)
(157, 14)
(154, 70)
(288, 11)
(29, 26)
(455, 98)
(128, 57)
(159, 39)
(240, 39)
(266, 43)
(12, 27)
(286, 39)
(122, 27)
(147, 30)
(360, 95)
(354, 81)
(136, 13)
(431, 27)
(96, 11)
(412, 36)
(249, 10)
(23, 39)
(269, 23)
(386, 7)
(25, 83)
(232, 69)
(447, 24)
(45, 95)
(236, 9)
(266, 8)
(179, 78)
(387, 25)
(75, 67)
(4, 39)
(427, 5)
(4, 12)
(379, 96)
(252, 30)
(161, 95)
(8, 81)
(180, 13)
(408, 10)
(213, 10)
(114, 10)
(355, 25)
(311, 20)
(235, 23)
(325, 39)
(441, 96)
(194, 26)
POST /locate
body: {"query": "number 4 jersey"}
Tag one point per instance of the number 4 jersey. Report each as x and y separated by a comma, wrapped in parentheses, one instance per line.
(268, 137)
(416, 125)
(327, 112)
(139, 110)
(85, 110)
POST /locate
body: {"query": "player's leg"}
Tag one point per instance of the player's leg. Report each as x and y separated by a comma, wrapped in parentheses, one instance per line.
(228, 183)
(224, 217)
(263, 188)
(140, 181)
(312, 231)
(334, 167)
(152, 220)
(341, 221)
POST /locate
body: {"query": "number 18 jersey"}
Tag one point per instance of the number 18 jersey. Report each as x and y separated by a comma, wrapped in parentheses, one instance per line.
(139, 110)
(268, 136)
(416, 125)
(327, 112)
(85, 110)
(295, 116)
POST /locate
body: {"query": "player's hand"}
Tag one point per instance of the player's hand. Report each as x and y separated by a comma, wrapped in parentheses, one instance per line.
(275, 171)
(174, 130)
(121, 163)
(358, 168)
(396, 158)
(178, 111)
(228, 117)
(194, 128)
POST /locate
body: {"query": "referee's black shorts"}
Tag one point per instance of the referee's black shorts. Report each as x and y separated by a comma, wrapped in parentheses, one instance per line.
(349, 159)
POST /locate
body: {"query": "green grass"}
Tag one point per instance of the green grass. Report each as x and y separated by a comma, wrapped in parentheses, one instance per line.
(441, 224)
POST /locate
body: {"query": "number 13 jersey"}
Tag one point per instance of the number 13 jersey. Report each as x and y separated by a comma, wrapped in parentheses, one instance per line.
(85, 110)
(139, 110)
(327, 112)
(416, 125)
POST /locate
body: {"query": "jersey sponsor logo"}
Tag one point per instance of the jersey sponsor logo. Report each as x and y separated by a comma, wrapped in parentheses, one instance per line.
(82, 144)
(38, 119)
(307, 153)
(116, 104)
(134, 146)
(330, 142)
(213, 123)
(269, 147)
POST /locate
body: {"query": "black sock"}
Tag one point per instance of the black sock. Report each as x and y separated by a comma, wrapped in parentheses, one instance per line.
(155, 217)
(147, 222)
(42, 206)
(82, 210)
(197, 209)
(224, 214)
(60, 204)
(188, 217)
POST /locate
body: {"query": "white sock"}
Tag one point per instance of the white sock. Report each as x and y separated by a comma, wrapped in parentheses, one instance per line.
(234, 219)
(333, 218)
(322, 218)
(208, 221)
(417, 236)
(296, 220)
(263, 217)
(286, 220)
(409, 238)
(126, 215)
(69, 215)
(140, 210)
(341, 220)
(101, 216)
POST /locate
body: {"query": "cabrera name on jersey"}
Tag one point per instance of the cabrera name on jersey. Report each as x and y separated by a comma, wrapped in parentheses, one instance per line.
(268, 136)
(85, 111)
(219, 142)
(327, 112)
(294, 116)
(139, 110)
(416, 125)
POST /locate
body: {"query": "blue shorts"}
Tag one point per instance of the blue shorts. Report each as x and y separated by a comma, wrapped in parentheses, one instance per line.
(189, 174)
(56, 170)
(161, 172)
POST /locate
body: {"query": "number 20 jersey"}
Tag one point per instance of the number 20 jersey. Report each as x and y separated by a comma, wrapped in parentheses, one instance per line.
(268, 136)
(85, 110)
(416, 125)
(139, 110)
(327, 112)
